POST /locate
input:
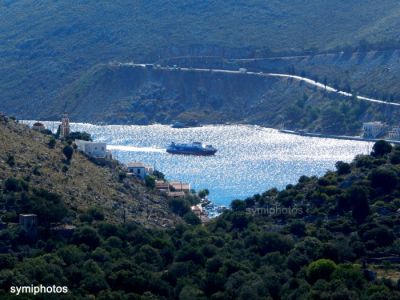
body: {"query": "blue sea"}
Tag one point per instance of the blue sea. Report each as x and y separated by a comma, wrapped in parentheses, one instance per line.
(250, 159)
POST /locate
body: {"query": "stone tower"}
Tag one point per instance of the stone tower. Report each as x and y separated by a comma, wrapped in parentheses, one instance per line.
(65, 129)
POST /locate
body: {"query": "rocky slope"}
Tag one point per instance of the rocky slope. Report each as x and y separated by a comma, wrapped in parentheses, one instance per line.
(126, 93)
(47, 45)
(81, 184)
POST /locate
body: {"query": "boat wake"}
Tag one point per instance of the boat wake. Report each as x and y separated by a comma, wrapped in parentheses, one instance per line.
(135, 149)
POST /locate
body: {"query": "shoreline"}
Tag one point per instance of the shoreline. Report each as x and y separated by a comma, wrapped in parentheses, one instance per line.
(286, 131)
(337, 137)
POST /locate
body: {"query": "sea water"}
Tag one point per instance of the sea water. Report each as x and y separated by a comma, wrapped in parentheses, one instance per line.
(250, 159)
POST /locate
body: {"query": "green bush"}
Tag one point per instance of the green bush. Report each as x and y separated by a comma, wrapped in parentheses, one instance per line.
(68, 152)
(15, 185)
(86, 235)
(384, 179)
(320, 269)
(179, 206)
(150, 182)
(52, 142)
(191, 218)
(10, 160)
(343, 168)
(381, 148)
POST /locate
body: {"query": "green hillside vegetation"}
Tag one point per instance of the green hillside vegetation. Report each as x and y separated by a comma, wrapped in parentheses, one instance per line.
(46, 45)
(37, 177)
(339, 238)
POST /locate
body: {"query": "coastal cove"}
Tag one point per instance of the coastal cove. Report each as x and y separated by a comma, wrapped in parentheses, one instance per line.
(250, 159)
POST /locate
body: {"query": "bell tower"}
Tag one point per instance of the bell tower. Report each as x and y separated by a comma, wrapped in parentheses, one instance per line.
(65, 129)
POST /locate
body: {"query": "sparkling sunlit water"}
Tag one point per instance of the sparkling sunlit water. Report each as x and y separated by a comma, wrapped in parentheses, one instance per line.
(250, 159)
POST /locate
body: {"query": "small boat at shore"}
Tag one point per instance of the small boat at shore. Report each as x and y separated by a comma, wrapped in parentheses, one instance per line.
(195, 148)
(186, 125)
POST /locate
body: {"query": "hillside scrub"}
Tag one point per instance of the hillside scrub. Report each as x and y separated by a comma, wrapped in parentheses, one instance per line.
(31, 166)
(326, 252)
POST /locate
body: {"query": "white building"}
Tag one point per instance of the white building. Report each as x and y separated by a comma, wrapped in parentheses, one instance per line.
(93, 149)
(139, 169)
(197, 210)
(394, 134)
(373, 129)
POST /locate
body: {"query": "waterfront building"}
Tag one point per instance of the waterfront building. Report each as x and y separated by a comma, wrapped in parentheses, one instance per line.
(373, 129)
(178, 194)
(175, 189)
(139, 169)
(93, 149)
(394, 134)
(180, 186)
(162, 186)
(65, 128)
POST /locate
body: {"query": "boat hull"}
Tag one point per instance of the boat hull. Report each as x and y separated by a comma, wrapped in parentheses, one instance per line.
(188, 152)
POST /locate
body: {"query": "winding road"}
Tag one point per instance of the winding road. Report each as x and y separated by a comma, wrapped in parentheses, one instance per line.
(263, 74)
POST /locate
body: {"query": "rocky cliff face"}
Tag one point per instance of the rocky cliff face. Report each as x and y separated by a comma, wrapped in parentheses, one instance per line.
(129, 94)
(372, 73)
(118, 93)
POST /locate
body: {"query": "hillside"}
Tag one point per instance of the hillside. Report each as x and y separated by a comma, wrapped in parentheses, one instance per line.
(79, 186)
(47, 45)
(371, 73)
(333, 237)
(120, 94)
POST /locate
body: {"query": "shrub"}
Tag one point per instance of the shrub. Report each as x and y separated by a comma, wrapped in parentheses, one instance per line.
(96, 213)
(150, 182)
(179, 206)
(203, 193)
(52, 142)
(80, 136)
(68, 152)
(381, 235)
(298, 228)
(320, 269)
(381, 148)
(384, 179)
(191, 218)
(86, 235)
(358, 199)
(15, 185)
(159, 175)
(121, 176)
(11, 160)
(395, 158)
(343, 168)
(238, 205)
